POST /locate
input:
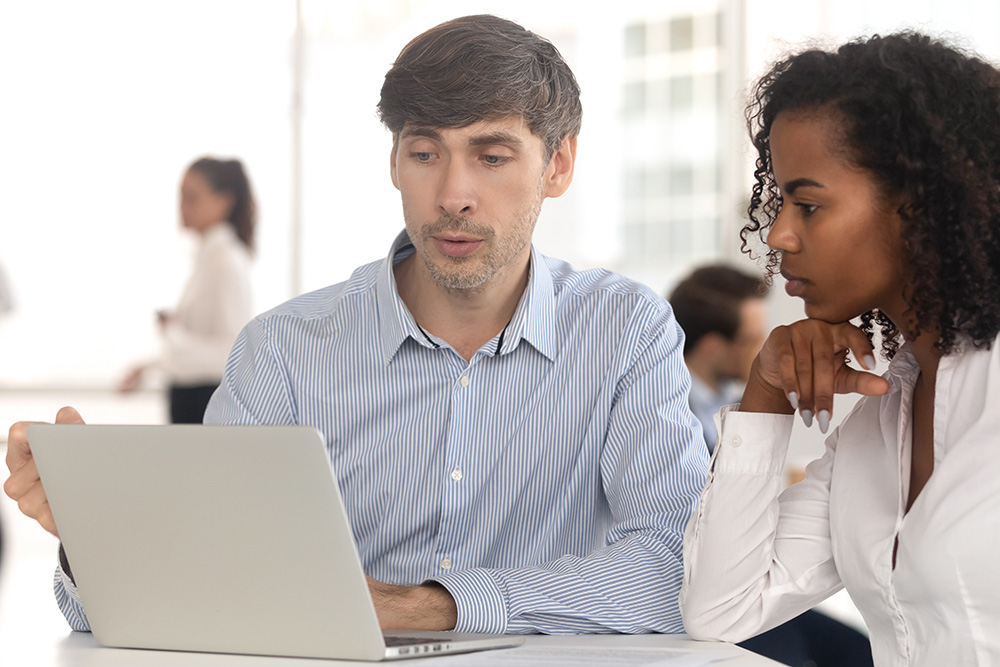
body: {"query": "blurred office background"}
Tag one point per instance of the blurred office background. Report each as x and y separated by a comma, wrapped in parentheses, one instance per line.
(106, 102)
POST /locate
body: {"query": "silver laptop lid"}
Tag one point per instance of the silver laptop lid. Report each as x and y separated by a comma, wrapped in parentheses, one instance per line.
(208, 538)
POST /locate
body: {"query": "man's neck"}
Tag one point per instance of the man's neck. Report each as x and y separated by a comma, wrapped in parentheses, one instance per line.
(466, 319)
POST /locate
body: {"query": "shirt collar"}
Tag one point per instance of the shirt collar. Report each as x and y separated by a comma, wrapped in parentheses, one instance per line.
(220, 232)
(903, 369)
(532, 320)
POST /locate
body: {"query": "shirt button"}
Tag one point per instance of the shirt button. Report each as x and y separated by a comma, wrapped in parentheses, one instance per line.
(736, 441)
(464, 380)
(445, 563)
(456, 475)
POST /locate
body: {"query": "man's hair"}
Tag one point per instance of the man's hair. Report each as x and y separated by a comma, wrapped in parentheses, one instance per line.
(481, 68)
(710, 299)
(923, 120)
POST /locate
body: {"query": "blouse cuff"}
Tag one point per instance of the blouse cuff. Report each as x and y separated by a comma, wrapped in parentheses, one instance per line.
(751, 443)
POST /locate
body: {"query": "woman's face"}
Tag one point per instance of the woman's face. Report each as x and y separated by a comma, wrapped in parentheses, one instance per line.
(840, 241)
(201, 206)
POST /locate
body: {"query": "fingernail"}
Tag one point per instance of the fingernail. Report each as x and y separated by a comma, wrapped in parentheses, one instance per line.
(793, 399)
(869, 362)
(807, 418)
(823, 418)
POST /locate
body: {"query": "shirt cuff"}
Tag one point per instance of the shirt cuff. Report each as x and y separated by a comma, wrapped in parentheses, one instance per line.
(69, 602)
(751, 443)
(480, 603)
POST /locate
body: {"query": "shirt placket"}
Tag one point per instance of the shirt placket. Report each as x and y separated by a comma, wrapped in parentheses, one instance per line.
(456, 475)
(903, 436)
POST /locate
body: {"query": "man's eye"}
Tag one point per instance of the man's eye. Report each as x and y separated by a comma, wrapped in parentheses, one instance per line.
(495, 160)
(420, 156)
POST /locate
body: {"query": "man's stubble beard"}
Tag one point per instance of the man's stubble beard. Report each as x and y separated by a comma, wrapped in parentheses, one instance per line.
(470, 275)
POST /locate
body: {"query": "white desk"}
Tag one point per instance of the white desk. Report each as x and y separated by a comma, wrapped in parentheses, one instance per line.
(74, 649)
(33, 632)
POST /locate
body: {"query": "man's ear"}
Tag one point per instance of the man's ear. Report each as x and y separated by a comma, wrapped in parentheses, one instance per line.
(392, 161)
(559, 173)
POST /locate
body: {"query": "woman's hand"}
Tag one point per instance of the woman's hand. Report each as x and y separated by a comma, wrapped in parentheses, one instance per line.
(132, 379)
(802, 366)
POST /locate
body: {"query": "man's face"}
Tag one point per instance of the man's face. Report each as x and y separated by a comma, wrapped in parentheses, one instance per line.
(471, 196)
(749, 338)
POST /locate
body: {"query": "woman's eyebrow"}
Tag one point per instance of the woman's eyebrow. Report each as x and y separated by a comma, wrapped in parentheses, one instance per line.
(793, 185)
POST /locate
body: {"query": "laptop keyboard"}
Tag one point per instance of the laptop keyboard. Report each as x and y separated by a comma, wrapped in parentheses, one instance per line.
(393, 640)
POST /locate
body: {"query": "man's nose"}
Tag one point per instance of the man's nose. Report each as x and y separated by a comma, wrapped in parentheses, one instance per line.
(458, 194)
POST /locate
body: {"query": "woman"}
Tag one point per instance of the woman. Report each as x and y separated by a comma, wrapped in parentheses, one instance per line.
(218, 205)
(878, 193)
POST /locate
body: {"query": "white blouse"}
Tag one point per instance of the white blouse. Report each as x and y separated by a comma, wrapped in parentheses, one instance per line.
(214, 306)
(754, 559)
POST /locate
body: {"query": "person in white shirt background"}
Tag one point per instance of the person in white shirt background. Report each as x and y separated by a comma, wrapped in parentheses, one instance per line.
(878, 193)
(217, 204)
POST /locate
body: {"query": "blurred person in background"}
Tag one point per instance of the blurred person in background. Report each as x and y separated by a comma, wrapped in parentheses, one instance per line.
(6, 305)
(6, 298)
(217, 204)
(723, 313)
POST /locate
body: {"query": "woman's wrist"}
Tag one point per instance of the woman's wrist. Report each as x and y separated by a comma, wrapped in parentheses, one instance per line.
(759, 396)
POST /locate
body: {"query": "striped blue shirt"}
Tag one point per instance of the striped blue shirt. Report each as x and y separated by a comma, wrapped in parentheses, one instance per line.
(546, 483)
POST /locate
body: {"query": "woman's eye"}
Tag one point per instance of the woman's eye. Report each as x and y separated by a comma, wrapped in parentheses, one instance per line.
(808, 209)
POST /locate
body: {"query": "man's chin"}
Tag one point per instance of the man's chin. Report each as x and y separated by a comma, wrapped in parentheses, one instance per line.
(444, 273)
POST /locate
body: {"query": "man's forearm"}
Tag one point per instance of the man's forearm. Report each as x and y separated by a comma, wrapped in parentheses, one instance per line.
(426, 607)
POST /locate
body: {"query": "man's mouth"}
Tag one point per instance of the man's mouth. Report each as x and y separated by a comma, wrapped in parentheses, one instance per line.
(456, 246)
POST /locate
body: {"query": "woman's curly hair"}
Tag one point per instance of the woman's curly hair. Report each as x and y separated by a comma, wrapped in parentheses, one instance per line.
(923, 119)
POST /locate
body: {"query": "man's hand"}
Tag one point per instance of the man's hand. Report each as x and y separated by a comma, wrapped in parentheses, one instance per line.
(425, 607)
(24, 485)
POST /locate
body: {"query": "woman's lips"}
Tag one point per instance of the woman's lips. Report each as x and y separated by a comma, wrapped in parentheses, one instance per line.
(793, 285)
(457, 247)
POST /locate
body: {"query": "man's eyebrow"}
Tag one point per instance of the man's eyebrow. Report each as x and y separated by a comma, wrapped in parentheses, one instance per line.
(419, 131)
(499, 137)
(792, 186)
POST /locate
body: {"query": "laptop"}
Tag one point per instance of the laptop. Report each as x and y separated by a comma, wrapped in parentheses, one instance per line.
(223, 539)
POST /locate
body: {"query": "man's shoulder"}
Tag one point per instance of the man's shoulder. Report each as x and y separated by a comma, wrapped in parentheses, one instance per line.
(326, 302)
(597, 285)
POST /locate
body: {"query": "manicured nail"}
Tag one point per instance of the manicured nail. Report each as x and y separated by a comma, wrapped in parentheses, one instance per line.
(823, 418)
(869, 362)
(807, 418)
(793, 399)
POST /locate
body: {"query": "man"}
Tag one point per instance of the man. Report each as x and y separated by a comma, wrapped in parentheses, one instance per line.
(511, 437)
(722, 312)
